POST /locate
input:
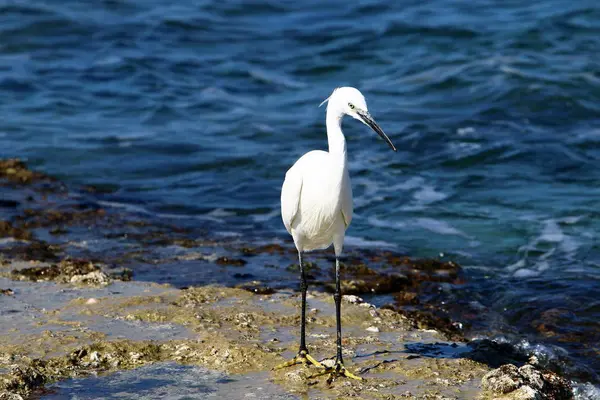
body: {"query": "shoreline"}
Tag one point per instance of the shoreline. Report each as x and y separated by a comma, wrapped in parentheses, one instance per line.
(88, 287)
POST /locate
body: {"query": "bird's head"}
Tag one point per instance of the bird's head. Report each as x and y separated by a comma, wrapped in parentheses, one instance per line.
(350, 101)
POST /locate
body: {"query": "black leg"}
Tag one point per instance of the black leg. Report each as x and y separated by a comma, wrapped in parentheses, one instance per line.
(338, 369)
(303, 356)
(303, 288)
(338, 312)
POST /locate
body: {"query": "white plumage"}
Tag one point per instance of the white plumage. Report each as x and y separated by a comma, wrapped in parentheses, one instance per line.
(316, 197)
(316, 206)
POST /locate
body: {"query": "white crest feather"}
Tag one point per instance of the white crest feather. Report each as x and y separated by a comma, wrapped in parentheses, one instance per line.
(327, 99)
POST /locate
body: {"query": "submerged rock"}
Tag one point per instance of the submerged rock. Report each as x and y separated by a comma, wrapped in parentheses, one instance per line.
(257, 287)
(8, 230)
(75, 271)
(226, 329)
(32, 251)
(526, 383)
(16, 171)
(236, 262)
(494, 353)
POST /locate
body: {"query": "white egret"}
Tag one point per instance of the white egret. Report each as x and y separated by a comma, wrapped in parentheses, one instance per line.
(316, 206)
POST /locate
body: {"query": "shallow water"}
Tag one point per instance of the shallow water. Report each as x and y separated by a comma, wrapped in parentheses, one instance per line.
(196, 110)
(169, 381)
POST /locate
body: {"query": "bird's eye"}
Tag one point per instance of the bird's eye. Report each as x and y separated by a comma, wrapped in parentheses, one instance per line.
(351, 106)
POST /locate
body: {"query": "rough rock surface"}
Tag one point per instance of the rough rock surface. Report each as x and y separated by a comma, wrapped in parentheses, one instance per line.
(526, 383)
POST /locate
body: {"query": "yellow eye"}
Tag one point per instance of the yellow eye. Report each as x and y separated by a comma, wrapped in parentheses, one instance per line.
(351, 106)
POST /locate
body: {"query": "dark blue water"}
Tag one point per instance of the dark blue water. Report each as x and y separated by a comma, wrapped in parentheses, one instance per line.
(197, 108)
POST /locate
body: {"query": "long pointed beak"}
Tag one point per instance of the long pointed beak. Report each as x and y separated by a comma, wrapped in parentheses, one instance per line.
(368, 120)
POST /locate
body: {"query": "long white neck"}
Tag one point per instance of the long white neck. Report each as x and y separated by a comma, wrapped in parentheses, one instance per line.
(335, 136)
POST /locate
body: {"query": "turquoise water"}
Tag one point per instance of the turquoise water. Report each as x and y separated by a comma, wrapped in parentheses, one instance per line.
(197, 108)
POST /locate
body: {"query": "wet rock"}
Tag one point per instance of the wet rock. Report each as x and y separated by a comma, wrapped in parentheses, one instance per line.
(10, 396)
(554, 322)
(503, 380)
(407, 298)
(23, 379)
(267, 248)
(186, 242)
(92, 278)
(257, 287)
(236, 262)
(308, 267)
(121, 274)
(526, 383)
(33, 251)
(98, 357)
(63, 271)
(7, 292)
(16, 171)
(425, 319)
(69, 271)
(495, 353)
(377, 284)
(8, 230)
(56, 219)
(352, 299)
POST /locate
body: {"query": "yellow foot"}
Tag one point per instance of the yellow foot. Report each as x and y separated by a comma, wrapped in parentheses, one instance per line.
(302, 358)
(336, 371)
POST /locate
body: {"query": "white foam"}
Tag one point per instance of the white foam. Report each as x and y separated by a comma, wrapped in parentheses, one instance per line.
(519, 264)
(376, 222)
(428, 194)
(276, 78)
(572, 220)
(551, 232)
(267, 217)
(429, 224)
(355, 241)
(438, 226)
(525, 273)
(229, 234)
(125, 206)
(412, 183)
(220, 213)
(464, 149)
(552, 241)
(585, 391)
(142, 210)
(110, 60)
(465, 131)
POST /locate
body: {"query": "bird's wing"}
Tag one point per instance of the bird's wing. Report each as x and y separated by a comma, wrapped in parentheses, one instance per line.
(290, 196)
(347, 206)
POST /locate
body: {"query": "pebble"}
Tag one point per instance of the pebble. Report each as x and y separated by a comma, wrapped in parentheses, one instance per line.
(373, 329)
(329, 363)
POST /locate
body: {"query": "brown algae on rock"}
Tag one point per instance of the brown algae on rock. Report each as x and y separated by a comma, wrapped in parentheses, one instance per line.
(76, 271)
(16, 171)
(526, 382)
(231, 330)
(70, 313)
(238, 332)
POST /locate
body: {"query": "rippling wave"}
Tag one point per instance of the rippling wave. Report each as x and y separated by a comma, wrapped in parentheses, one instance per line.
(191, 107)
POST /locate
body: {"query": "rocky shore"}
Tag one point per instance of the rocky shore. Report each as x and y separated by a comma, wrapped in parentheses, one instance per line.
(88, 290)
